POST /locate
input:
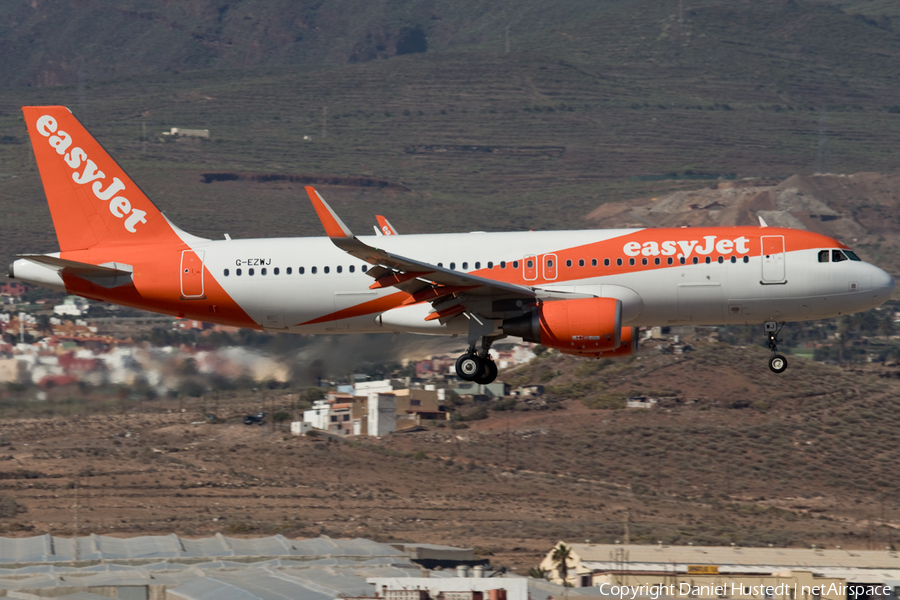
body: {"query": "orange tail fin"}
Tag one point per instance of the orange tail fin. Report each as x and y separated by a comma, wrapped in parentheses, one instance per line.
(92, 201)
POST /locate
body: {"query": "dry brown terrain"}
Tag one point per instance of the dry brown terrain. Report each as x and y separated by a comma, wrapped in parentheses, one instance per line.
(735, 453)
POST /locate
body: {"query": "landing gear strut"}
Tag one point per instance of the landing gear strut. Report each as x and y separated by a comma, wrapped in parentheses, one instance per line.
(777, 363)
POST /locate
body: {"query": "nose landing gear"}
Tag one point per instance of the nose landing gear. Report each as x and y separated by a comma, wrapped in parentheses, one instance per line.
(777, 363)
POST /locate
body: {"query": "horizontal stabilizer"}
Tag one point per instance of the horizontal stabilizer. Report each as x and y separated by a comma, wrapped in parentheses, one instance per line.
(108, 275)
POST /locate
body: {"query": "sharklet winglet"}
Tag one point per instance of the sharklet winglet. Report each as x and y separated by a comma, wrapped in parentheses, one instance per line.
(334, 227)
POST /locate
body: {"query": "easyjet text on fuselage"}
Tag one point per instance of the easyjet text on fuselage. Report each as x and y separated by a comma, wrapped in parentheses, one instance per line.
(705, 247)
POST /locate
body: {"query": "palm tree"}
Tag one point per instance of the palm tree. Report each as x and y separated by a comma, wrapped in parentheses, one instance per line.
(561, 555)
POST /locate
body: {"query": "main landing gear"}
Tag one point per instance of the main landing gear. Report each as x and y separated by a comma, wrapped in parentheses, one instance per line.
(472, 367)
(478, 366)
(777, 363)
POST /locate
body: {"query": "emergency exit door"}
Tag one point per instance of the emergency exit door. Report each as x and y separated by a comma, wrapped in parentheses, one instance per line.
(772, 258)
(191, 274)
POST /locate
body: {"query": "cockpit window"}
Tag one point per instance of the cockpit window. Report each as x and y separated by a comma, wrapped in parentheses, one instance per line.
(852, 256)
(823, 255)
(837, 256)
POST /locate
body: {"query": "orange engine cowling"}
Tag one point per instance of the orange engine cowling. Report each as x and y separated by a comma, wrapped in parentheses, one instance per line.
(581, 326)
(627, 346)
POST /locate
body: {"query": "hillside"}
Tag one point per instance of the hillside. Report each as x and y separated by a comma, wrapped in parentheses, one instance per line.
(597, 102)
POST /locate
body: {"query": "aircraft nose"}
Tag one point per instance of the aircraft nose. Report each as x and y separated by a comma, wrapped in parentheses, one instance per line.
(882, 286)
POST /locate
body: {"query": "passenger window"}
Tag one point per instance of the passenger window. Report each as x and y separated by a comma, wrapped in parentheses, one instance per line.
(340, 269)
(276, 271)
(288, 270)
(631, 261)
(721, 260)
(365, 268)
(593, 262)
(490, 264)
(226, 272)
(580, 262)
(708, 260)
(696, 260)
(352, 268)
(477, 265)
(618, 262)
(237, 272)
(313, 270)
(605, 262)
(502, 264)
(644, 261)
(682, 260)
(823, 255)
(262, 271)
(465, 266)
(837, 256)
(734, 259)
(549, 262)
(326, 270)
(670, 261)
(568, 263)
(656, 260)
(746, 259)
(250, 272)
(441, 265)
(515, 264)
(453, 266)
(530, 264)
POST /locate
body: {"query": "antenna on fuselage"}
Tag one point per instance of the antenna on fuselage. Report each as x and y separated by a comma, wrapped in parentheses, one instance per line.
(762, 222)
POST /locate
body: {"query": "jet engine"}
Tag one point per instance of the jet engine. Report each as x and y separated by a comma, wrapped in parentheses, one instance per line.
(585, 326)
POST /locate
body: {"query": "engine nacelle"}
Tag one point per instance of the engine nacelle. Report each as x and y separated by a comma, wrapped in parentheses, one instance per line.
(580, 326)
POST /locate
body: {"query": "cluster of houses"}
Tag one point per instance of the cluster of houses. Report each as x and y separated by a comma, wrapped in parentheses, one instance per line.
(65, 348)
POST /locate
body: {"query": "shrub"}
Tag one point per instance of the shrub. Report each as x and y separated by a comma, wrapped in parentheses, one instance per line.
(9, 508)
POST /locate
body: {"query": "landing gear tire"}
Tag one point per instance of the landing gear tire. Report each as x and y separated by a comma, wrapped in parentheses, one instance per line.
(778, 363)
(488, 372)
(468, 367)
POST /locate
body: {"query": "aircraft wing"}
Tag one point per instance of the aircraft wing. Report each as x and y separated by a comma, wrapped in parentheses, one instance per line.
(424, 281)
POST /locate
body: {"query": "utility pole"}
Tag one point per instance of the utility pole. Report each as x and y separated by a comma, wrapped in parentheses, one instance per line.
(627, 530)
(507, 441)
(75, 524)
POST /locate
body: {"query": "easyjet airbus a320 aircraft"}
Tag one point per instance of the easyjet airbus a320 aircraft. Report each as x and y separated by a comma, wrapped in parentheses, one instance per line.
(583, 292)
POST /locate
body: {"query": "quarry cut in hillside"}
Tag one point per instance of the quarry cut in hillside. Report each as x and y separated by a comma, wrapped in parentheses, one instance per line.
(850, 208)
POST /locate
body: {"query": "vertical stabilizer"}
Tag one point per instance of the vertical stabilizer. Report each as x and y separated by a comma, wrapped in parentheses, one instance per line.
(92, 201)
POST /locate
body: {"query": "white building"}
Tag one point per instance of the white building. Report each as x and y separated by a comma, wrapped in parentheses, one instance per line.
(317, 416)
(300, 427)
(70, 307)
(182, 132)
(516, 587)
(382, 414)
